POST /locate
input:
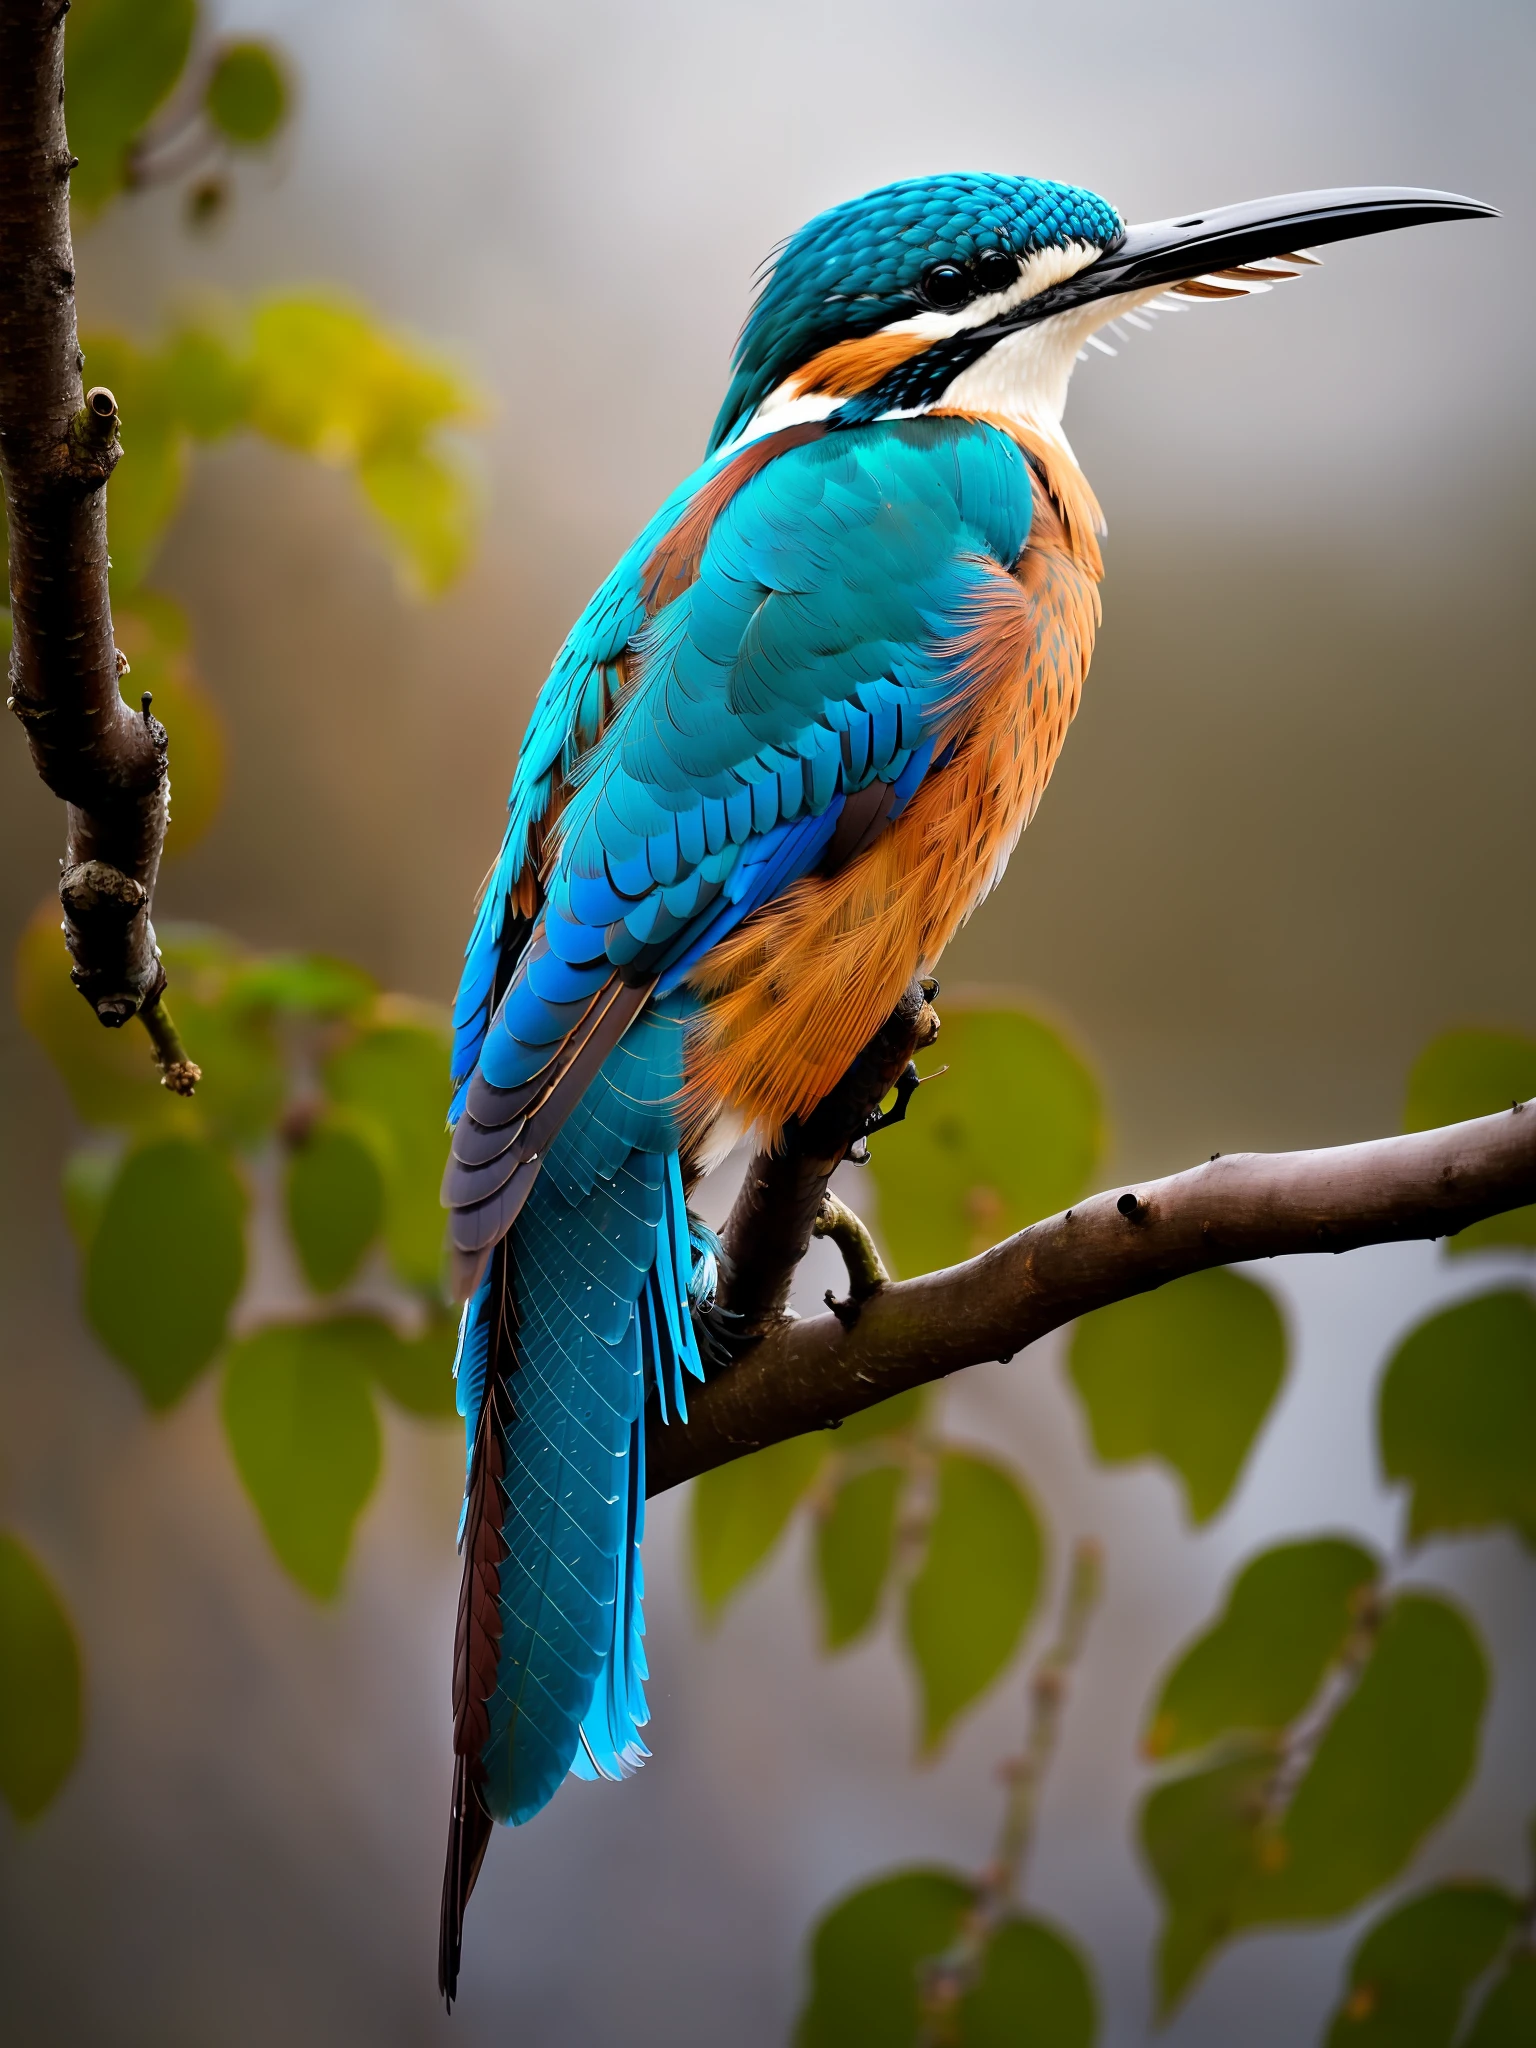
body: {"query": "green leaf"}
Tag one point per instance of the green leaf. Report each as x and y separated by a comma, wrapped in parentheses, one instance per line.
(1287, 1618)
(1011, 1133)
(415, 1372)
(396, 1074)
(1035, 1991)
(898, 1417)
(89, 1172)
(1507, 2017)
(1411, 1972)
(854, 1544)
(308, 985)
(968, 1605)
(865, 1956)
(1390, 1763)
(302, 1427)
(39, 1685)
(204, 381)
(1187, 1374)
(1474, 1073)
(741, 1510)
(122, 57)
(1457, 1417)
(248, 95)
(166, 1263)
(335, 1200)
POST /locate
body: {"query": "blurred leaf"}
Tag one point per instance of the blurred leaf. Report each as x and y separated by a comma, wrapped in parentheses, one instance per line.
(302, 985)
(205, 383)
(1507, 2017)
(166, 1263)
(1011, 1133)
(865, 1956)
(158, 663)
(1389, 1764)
(335, 1199)
(1411, 1972)
(302, 1427)
(122, 57)
(39, 1685)
(248, 94)
(89, 1172)
(1457, 1417)
(968, 1604)
(854, 1544)
(415, 1372)
(396, 1074)
(1187, 1373)
(1464, 1074)
(741, 1510)
(1035, 1991)
(330, 381)
(898, 1416)
(1287, 1618)
(148, 482)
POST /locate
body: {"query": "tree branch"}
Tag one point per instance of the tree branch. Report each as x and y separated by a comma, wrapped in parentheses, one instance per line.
(58, 446)
(1247, 1205)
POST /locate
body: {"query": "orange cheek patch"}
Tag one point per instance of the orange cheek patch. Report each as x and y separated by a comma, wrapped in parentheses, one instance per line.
(849, 367)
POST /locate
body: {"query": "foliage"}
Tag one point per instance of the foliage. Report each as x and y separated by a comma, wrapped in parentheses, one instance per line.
(1412, 1974)
(1011, 1132)
(39, 1684)
(1188, 1374)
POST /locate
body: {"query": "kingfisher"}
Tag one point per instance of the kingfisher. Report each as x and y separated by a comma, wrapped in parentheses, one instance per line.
(784, 753)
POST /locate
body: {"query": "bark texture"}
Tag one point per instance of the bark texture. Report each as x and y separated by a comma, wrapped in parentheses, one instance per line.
(58, 445)
(1247, 1205)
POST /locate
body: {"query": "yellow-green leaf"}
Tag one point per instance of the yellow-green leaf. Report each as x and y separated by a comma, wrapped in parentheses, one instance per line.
(741, 1510)
(1187, 1374)
(166, 1263)
(121, 60)
(415, 1372)
(855, 1539)
(151, 633)
(248, 95)
(396, 1075)
(1410, 1974)
(1287, 1618)
(1464, 1074)
(39, 1684)
(1458, 1417)
(335, 1196)
(148, 482)
(301, 1424)
(969, 1603)
(866, 1954)
(1011, 1133)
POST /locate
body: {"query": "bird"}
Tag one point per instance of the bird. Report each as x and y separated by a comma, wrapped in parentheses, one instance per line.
(784, 752)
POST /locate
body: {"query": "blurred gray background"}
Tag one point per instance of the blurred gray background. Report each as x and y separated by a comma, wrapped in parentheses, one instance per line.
(1290, 839)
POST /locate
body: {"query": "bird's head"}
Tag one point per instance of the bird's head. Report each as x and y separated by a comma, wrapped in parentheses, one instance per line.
(979, 292)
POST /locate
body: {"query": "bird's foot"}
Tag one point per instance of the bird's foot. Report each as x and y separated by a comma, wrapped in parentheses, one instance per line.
(908, 1081)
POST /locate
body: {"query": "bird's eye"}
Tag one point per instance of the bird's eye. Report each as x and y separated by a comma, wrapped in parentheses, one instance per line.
(996, 270)
(945, 286)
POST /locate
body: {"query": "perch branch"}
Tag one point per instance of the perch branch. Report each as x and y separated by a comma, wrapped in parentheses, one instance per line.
(1247, 1205)
(105, 760)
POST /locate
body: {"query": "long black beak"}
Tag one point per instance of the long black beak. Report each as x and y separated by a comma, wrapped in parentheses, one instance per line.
(1171, 252)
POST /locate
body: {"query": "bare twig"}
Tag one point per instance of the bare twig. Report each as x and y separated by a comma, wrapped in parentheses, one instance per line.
(950, 1976)
(1249, 1205)
(58, 446)
(861, 1261)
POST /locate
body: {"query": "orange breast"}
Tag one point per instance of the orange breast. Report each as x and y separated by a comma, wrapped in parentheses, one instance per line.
(793, 995)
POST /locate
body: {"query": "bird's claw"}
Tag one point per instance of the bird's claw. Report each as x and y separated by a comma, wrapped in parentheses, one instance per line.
(908, 1081)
